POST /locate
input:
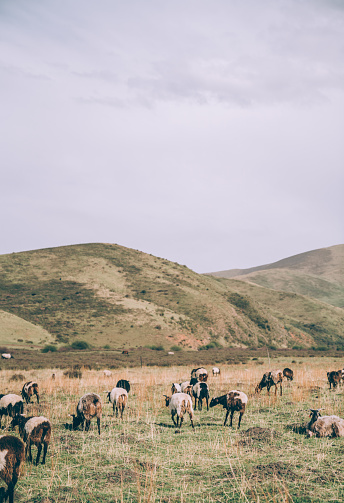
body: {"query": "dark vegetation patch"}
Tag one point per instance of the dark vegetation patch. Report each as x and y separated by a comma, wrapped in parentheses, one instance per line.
(278, 469)
(17, 377)
(257, 434)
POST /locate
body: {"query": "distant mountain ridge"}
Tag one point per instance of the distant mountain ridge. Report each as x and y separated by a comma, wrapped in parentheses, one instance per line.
(318, 274)
(109, 295)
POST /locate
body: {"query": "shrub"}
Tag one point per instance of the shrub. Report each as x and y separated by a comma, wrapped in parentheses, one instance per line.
(210, 345)
(156, 348)
(80, 345)
(17, 377)
(49, 348)
(76, 374)
(176, 348)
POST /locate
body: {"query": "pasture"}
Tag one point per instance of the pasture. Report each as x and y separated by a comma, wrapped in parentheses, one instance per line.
(142, 459)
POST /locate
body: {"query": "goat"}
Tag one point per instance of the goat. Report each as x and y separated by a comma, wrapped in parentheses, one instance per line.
(200, 391)
(334, 378)
(270, 379)
(30, 388)
(186, 387)
(175, 388)
(89, 406)
(216, 371)
(324, 426)
(233, 401)
(10, 405)
(179, 404)
(288, 373)
(119, 398)
(123, 383)
(12, 453)
(36, 431)
(199, 374)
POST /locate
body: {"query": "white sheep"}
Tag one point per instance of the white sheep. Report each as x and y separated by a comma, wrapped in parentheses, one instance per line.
(175, 388)
(107, 373)
(216, 371)
(179, 404)
(186, 387)
(34, 431)
(12, 453)
(119, 398)
(233, 401)
(324, 426)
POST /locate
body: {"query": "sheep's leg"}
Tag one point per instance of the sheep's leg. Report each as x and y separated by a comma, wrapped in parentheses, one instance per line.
(174, 422)
(200, 400)
(191, 421)
(39, 449)
(10, 492)
(232, 414)
(29, 450)
(240, 416)
(44, 452)
(207, 400)
(88, 422)
(181, 422)
(195, 402)
(98, 424)
(37, 395)
(122, 408)
(224, 424)
(281, 388)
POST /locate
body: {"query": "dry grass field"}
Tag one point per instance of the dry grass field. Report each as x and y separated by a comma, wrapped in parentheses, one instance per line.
(142, 459)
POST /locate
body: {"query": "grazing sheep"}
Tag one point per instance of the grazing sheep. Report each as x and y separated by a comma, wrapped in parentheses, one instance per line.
(11, 405)
(179, 404)
(34, 431)
(30, 388)
(11, 458)
(186, 387)
(216, 371)
(89, 406)
(119, 398)
(324, 426)
(123, 383)
(233, 401)
(288, 373)
(334, 378)
(175, 388)
(270, 379)
(6, 356)
(199, 374)
(107, 373)
(200, 391)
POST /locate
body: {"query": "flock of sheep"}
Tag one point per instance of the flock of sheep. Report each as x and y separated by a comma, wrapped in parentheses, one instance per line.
(37, 430)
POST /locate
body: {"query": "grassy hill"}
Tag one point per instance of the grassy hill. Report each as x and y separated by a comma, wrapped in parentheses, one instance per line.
(113, 296)
(318, 274)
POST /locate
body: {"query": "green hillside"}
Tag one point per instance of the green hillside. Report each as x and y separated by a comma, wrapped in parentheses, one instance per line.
(318, 274)
(109, 295)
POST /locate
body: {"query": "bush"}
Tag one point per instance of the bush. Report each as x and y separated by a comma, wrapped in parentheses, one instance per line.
(49, 347)
(176, 348)
(75, 373)
(210, 345)
(17, 377)
(156, 348)
(80, 345)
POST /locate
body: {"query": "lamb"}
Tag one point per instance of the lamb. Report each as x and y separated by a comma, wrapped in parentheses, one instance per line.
(199, 374)
(324, 426)
(175, 388)
(233, 401)
(89, 406)
(30, 388)
(179, 404)
(334, 378)
(288, 373)
(36, 431)
(123, 383)
(270, 379)
(216, 371)
(11, 405)
(11, 458)
(119, 398)
(186, 387)
(107, 373)
(200, 391)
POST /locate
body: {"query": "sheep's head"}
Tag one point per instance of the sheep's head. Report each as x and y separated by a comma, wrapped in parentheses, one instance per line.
(76, 421)
(213, 402)
(258, 388)
(18, 420)
(167, 400)
(314, 414)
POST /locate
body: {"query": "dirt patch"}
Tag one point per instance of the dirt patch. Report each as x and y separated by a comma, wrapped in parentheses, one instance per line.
(126, 475)
(279, 470)
(257, 434)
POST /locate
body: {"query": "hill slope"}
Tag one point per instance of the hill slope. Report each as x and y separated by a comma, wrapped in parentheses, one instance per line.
(111, 295)
(318, 274)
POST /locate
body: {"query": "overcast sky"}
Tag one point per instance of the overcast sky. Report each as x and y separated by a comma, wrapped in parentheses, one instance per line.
(209, 133)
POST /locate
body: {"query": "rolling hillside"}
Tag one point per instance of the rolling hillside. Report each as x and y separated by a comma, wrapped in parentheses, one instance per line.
(318, 274)
(113, 296)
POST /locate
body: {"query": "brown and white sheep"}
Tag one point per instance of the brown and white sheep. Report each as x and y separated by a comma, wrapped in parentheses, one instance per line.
(324, 426)
(186, 387)
(30, 388)
(123, 383)
(334, 378)
(288, 374)
(180, 404)
(89, 406)
(11, 458)
(11, 405)
(233, 401)
(36, 431)
(269, 379)
(198, 375)
(119, 398)
(175, 388)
